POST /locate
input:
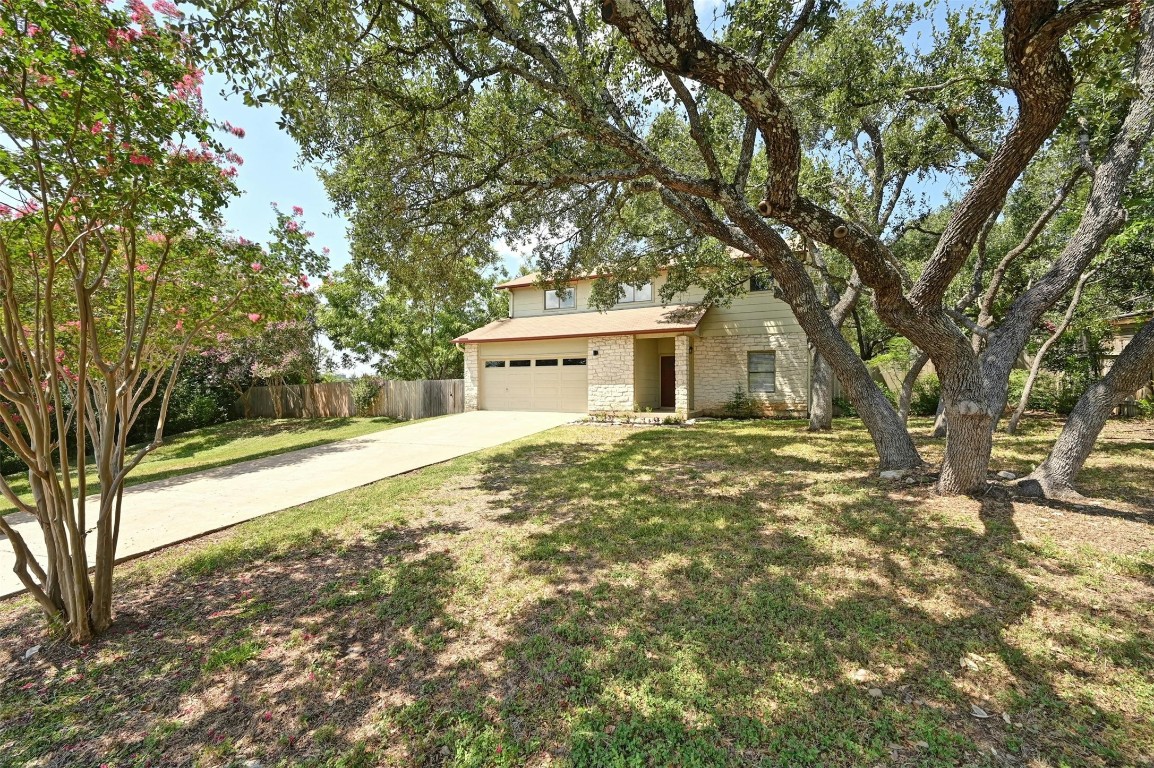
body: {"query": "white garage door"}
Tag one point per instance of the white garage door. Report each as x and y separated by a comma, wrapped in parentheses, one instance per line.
(535, 384)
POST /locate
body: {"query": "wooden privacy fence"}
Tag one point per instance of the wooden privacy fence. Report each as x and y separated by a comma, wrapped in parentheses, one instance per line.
(396, 400)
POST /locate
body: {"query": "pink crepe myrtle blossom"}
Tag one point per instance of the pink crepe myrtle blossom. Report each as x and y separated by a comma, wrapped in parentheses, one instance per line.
(117, 36)
(166, 8)
(27, 209)
(254, 316)
(189, 85)
(257, 266)
(235, 130)
(298, 211)
(141, 13)
(32, 30)
(138, 159)
(292, 226)
(326, 250)
(180, 325)
(157, 237)
(142, 267)
(97, 127)
(77, 50)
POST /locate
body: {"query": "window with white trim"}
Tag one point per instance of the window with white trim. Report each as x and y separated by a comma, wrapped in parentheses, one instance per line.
(762, 373)
(633, 293)
(566, 298)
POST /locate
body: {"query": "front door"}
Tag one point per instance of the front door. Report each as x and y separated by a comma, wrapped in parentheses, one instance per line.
(668, 382)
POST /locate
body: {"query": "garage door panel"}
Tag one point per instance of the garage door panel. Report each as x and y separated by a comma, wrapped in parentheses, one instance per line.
(546, 383)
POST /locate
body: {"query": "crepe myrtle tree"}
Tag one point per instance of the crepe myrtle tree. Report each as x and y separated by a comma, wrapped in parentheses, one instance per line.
(571, 125)
(112, 266)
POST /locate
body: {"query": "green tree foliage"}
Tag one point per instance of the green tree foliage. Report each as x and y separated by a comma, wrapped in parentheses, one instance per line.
(406, 332)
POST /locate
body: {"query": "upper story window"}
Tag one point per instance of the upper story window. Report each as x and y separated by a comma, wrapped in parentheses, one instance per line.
(760, 282)
(632, 293)
(563, 299)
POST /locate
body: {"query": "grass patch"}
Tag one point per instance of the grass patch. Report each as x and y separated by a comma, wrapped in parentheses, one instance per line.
(228, 443)
(732, 594)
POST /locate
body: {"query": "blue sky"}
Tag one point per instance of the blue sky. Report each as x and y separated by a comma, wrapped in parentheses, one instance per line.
(270, 174)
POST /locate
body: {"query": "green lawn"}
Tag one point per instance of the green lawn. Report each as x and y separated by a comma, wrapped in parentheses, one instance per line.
(228, 443)
(727, 594)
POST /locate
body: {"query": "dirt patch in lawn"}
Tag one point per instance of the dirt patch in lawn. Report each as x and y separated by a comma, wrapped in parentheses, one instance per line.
(736, 594)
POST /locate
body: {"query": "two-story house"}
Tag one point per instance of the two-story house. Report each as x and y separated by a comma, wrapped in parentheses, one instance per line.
(555, 352)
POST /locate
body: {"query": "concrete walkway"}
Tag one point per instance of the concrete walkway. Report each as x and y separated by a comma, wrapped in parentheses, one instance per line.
(168, 511)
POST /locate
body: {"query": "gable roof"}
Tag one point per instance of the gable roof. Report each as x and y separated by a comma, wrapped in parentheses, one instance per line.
(519, 282)
(617, 322)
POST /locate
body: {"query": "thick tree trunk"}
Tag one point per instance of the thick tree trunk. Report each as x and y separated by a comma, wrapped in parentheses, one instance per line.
(820, 394)
(969, 419)
(1055, 476)
(967, 449)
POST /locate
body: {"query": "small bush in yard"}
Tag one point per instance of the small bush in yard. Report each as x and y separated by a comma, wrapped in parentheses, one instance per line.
(365, 391)
(926, 393)
(740, 405)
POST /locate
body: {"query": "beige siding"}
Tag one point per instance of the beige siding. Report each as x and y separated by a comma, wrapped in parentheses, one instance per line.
(747, 314)
(500, 349)
(530, 301)
(646, 374)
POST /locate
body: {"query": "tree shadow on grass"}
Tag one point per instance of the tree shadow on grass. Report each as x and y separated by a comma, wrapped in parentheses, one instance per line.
(782, 624)
(259, 650)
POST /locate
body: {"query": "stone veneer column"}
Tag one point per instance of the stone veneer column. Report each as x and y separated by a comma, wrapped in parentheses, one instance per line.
(681, 376)
(472, 376)
(611, 373)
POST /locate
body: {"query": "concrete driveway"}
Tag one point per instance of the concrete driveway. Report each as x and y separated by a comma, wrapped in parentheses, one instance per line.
(169, 511)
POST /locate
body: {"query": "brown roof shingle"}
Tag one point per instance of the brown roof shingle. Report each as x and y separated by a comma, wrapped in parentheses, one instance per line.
(615, 322)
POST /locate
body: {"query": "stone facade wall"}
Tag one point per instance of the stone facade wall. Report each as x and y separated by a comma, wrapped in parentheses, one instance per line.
(610, 373)
(721, 364)
(472, 376)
